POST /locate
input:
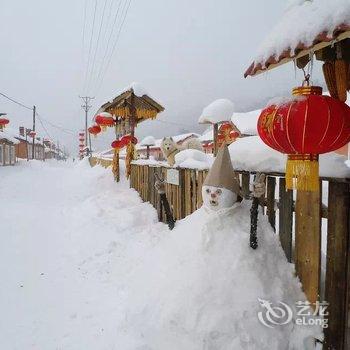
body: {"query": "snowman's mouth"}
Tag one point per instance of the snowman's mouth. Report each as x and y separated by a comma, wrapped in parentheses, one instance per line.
(213, 202)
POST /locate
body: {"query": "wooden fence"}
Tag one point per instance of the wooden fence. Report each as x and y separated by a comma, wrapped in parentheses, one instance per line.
(301, 220)
(105, 162)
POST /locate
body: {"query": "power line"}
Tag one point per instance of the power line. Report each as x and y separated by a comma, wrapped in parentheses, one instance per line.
(126, 10)
(97, 45)
(108, 42)
(90, 46)
(14, 101)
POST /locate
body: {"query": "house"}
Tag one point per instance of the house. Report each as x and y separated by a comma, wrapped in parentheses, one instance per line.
(24, 147)
(7, 148)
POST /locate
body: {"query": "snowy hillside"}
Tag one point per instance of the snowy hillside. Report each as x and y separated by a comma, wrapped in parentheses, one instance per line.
(88, 266)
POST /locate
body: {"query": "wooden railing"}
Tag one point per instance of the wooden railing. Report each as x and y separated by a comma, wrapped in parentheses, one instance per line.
(105, 162)
(300, 219)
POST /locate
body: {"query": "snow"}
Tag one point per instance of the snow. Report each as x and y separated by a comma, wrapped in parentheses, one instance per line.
(207, 136)
(7, 134)
(218, 111)
(251, 154)
(148, 141)
(89, 267)
(246, 122)
(311, 17)
(193, 159)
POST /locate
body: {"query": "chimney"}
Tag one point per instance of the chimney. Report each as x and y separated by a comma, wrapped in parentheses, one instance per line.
(21, 131)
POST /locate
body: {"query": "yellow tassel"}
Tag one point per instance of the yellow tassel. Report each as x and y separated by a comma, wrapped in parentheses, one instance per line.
(302, 173)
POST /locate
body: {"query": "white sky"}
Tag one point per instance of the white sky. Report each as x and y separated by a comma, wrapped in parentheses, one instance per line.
(186, 53)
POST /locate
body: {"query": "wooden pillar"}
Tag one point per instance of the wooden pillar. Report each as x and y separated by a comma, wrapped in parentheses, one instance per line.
(308, 242)
(337, 270)
(215, 136)
(270, 199)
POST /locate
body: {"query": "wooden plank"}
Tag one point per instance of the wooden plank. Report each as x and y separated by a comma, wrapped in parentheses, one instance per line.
(245, 185)
(338, 259)
(308, 242)
(286, 218)
(270, 201)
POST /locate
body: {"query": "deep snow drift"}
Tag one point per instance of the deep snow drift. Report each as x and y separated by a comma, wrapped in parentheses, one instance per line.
(86, 265)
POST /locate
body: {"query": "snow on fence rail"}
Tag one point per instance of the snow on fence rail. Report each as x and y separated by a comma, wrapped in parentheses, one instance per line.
(306, 222)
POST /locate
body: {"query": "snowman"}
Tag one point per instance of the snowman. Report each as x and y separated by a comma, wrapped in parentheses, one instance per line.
(221, 189)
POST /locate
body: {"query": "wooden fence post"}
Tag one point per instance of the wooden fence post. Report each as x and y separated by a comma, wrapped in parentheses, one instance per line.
(286, 218)
(308, 242)
(270, 197)
(337, 270)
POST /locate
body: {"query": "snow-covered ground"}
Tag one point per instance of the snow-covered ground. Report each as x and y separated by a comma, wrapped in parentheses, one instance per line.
(85, 265)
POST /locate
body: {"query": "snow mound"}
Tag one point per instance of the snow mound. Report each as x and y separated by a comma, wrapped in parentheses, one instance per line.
(218, 111)
(193, 159)
(201, 284)
(148, 141)
(251, 154)
(312, 18)
(247, 122)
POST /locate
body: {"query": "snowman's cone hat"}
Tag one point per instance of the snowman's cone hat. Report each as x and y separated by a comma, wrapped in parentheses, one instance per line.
(222, 174)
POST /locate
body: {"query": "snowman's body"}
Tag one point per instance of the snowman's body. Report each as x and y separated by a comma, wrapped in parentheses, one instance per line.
(217, 198)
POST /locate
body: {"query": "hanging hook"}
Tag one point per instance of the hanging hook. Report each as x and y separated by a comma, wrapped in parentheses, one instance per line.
(307, 76)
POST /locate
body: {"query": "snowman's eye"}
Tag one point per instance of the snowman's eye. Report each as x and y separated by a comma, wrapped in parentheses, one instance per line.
(218, 191)
(207, 190)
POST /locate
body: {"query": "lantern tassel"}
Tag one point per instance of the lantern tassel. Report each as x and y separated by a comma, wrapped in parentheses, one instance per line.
(302, 172)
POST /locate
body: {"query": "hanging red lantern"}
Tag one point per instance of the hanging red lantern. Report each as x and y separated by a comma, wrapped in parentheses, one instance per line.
(3, 122)
(304, 127)
(126, 139)
(94, 130)
(104, 120)
(117, 144)
(82, 134)
(32, 134)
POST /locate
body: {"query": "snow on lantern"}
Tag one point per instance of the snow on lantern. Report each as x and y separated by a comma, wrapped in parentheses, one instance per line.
(227, 134)
(104, 120)
(94, 130)
(3, 123)
(304, 126)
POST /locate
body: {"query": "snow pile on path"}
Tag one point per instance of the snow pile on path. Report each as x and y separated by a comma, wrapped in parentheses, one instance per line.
(91, 268)
(193, 159)
(251, 154)
(218, 111)
(300, 24)
(200, 288)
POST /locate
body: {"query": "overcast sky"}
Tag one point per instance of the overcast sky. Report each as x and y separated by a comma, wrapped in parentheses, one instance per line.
(186, 53)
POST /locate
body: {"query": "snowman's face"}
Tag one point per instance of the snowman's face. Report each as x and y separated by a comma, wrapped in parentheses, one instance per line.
(217, 198)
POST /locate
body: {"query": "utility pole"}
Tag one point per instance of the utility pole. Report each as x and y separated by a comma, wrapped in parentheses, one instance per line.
(33, 149)
(86, 107)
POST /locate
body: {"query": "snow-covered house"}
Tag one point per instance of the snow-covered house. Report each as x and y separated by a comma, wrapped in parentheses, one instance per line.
(7, 148)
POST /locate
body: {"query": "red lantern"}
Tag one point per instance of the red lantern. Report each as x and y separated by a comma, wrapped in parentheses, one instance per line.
(117, 144)
(304, 127)
(94, 130)
(128, 138)
(104, 120)
(32, 134)
(82, 134)
(3, 122)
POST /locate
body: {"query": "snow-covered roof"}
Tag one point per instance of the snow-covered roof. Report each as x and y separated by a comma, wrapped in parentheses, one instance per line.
(207, 136)
(148, 141)
(9, 135)
(304, 24)
(218, 111)
(246, 122)
(251, 154)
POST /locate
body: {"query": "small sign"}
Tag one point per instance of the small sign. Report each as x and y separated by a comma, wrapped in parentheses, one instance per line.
(172, 177)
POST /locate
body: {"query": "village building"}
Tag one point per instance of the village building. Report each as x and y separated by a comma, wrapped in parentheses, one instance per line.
(7, 148)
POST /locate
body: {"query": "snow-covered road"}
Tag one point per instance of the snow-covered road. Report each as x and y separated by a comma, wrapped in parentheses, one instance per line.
(85, 265)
